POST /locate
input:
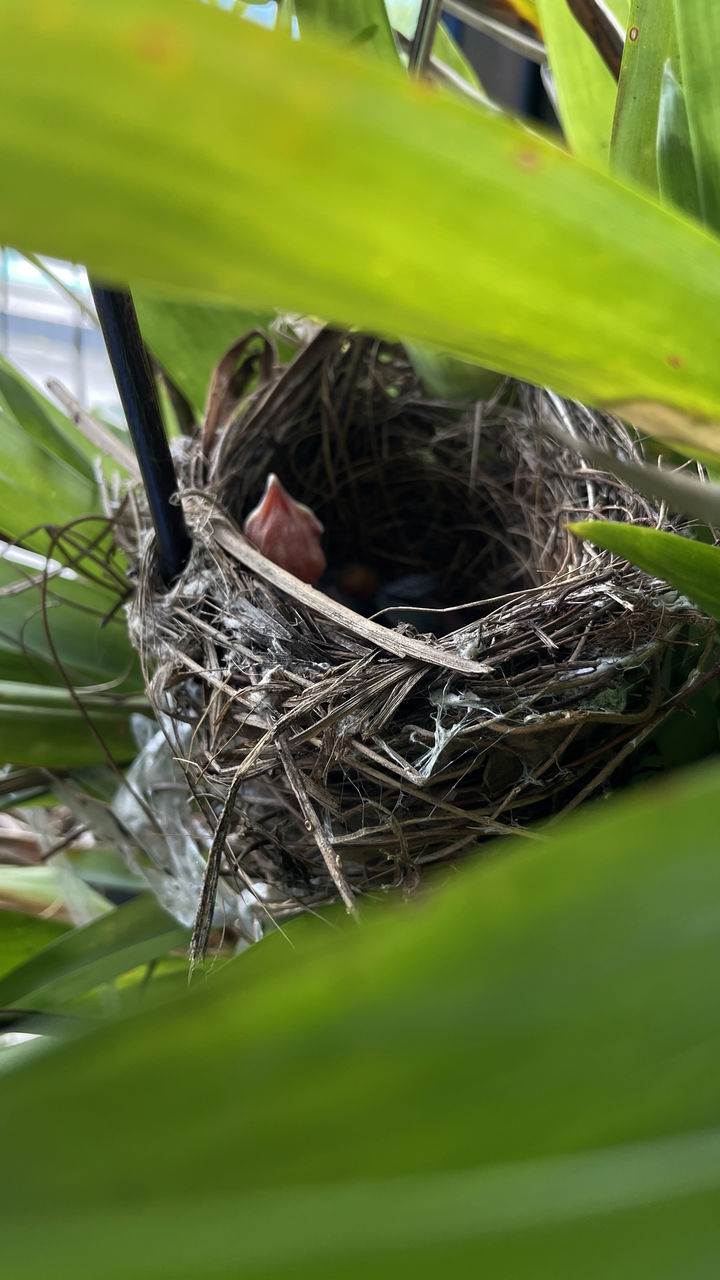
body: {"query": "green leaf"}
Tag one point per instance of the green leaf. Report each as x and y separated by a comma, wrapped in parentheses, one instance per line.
(677, 176)
(585, 88)
(22, 935)
(442, 375)
(635, 129)
(652, 142)
(88, 632)
(48, 888)
(37, 487)
(40, 725)
(189, 338)
(407, 182)
(698, 27)
(361, 23)
(518, 1077)
(448, 378)
(15, 664)
(76, 963)
(448, 52)
(104, 868)
(41, 420)
(692, 567)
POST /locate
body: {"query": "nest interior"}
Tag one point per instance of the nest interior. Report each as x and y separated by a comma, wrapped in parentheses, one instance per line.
(334, 754)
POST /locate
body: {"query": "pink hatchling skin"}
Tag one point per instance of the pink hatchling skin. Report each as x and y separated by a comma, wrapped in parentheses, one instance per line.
(287, 532)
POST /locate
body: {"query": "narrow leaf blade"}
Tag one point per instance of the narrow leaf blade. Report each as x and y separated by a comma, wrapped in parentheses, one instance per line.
(698, 26)
(692, 567)
(84, 958)
(585, 88)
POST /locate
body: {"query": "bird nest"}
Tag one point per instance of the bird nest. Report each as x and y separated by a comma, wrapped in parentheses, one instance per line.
(336, 754)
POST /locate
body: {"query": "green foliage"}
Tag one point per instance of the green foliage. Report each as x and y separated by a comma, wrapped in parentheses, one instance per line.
(22, 935)
(42, 421)
(635, 130)
(42, 726)
(387, 183)
(77, 962)
(44, 888)
(585, 88)
(698, 28)
(518, 1076)
(189, 338)
(448, 378)
(71, 619)
(520, 1073)
(676, 174)
(652, 140)
(37, 486)
(363, 24)
(57, 626)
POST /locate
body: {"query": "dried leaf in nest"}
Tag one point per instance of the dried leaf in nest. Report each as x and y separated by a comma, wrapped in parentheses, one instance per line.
(334, 754)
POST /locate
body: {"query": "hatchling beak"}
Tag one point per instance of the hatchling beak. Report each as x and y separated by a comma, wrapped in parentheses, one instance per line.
(287, 532)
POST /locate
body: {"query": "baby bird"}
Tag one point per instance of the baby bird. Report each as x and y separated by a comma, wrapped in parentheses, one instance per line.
(287, 532)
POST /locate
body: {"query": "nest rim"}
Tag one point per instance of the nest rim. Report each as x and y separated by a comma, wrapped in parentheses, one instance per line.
(332, 756)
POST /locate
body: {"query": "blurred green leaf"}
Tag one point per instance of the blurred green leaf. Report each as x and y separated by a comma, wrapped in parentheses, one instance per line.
(41, 419)
(18, 665)
(448, 52)
(133, 934)
(386, 183)
(518, 1076)
(37, 487)
(41, 725)
(22, 935)
(189, 338)
(448, 378)
(92, 645)
(35, 415)
(361, 23)
(585, 88)
(442, 374)
(698, 28)
(691, 567)
(104, 868)
(49, 888)
(686, 736)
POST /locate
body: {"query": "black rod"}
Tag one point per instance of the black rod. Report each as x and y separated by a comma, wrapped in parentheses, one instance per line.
(139, 398)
